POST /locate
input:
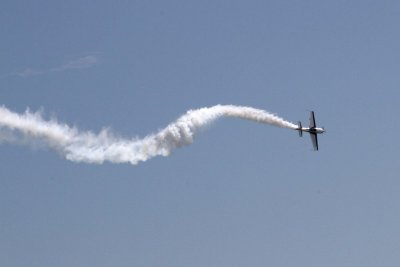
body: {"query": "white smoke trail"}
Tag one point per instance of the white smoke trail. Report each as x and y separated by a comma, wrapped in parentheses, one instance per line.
(96, 148)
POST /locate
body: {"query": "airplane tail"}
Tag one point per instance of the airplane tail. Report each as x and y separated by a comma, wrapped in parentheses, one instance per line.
(300, 129)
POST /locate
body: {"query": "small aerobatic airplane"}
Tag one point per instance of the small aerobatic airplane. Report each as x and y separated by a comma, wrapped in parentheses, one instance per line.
(313, 130)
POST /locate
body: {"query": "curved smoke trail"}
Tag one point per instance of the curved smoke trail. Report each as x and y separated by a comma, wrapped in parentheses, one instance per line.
(96, 148)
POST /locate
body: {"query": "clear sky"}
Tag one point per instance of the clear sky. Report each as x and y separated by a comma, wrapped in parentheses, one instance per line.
(243, 194)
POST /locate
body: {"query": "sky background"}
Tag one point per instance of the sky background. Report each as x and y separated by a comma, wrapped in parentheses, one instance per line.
(243, 194)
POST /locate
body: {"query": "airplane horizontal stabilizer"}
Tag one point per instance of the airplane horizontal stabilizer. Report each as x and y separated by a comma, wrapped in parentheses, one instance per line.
(300, 129)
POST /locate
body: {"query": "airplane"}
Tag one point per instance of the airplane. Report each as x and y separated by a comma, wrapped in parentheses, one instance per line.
(313, 130)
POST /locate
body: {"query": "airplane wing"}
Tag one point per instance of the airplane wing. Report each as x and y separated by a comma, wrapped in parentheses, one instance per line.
(314, 140)
(312, 119)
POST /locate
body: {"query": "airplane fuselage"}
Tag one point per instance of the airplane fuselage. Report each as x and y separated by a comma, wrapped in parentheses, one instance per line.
(315, 130)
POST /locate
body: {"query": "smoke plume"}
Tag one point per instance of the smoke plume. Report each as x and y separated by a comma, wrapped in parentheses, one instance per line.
(31, 128)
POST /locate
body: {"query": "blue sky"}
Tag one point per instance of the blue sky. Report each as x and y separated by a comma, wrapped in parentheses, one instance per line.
(243, 194)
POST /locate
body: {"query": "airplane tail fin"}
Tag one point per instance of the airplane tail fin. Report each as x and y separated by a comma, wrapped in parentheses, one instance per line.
(300, 129)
